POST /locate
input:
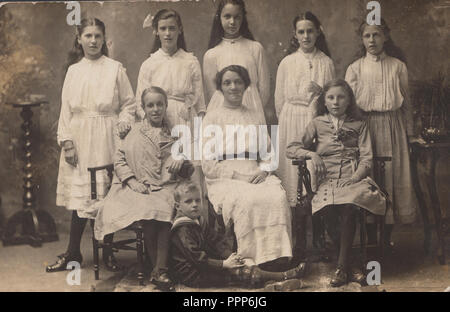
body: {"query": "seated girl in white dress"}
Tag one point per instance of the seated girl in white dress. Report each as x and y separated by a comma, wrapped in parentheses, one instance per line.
(251, 198)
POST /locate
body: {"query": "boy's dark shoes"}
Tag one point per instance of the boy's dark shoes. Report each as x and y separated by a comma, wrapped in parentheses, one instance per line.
(63, 260)
(340, 278)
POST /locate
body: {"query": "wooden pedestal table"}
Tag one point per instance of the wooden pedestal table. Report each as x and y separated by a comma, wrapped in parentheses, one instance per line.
(37, 225)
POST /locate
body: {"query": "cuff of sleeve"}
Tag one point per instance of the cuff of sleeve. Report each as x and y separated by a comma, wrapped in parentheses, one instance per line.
(215, 263)
(228, 175)
(124, 179)
(62, 139)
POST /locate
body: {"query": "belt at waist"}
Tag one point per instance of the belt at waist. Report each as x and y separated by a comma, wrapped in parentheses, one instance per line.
(176, 98)
(245, 155)
(298, 102)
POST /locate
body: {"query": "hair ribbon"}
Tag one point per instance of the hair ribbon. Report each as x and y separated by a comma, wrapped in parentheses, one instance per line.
(148, 21)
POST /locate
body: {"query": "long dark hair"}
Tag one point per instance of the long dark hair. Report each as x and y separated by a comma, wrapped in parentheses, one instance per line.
(389, 46)
(321, 43)
(352, 111)
(163, 15)
(76, 54)
(217, 31)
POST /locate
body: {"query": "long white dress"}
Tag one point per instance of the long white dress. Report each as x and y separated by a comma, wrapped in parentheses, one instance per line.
(180, 76)
(96, 95)
(260, 212)
(249, 54)
(296, 107)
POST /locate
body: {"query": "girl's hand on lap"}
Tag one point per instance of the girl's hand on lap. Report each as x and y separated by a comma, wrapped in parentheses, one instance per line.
(123, 128)
(347, 183)
(259, 177)
(319, 166)
(138, 187)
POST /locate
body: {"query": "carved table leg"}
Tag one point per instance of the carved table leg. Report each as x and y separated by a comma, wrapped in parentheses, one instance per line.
(421, 200)
(431, 183)
(37, 225)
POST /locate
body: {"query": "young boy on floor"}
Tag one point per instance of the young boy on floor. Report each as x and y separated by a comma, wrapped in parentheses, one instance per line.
(194, 258)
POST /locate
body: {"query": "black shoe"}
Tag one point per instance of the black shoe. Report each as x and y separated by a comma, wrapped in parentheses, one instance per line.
(110, 261)
(161, 279)
(340, 278)
(357, 276)
(61, 263)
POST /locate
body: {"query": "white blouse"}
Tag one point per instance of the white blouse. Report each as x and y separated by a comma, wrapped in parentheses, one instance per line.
(95, 88)
(178, 74)
(294, 74)
(229, 119)
(240, 51)
(380, 83)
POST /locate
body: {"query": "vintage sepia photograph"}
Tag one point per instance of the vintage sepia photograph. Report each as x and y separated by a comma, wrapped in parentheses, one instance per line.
(234, 146)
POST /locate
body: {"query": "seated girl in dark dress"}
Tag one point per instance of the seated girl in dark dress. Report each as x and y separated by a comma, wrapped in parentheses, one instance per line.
(339, 145)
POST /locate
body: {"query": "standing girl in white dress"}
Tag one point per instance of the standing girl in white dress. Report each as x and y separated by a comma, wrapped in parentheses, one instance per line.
(232, 43)
(178, 73)
(379, 79)
(174, 70)
(98, 106)
(300, 78)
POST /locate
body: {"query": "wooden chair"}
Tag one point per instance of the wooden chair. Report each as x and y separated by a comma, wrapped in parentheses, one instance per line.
(303, 209)
(379, 163)
(126, 244)
(304, 180)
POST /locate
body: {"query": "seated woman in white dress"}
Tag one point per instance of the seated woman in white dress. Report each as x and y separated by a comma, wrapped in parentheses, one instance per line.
(144, 183)
(251, 198)
(339, 145)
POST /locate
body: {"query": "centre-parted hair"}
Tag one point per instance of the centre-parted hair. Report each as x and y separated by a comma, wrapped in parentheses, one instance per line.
(238, 69)
(153, 89)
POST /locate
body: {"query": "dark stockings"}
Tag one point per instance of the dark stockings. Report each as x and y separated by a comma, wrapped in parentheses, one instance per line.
(156, 240)
(348, 229)
(76, 232)
(77, 226)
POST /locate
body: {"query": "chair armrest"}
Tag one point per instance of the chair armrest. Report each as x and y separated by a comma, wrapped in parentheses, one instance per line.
(107, 167)
(300, 161)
